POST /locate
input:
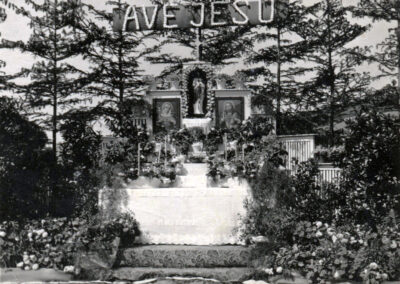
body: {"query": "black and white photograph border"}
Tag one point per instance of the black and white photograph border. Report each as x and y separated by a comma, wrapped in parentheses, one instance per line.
(238, 141)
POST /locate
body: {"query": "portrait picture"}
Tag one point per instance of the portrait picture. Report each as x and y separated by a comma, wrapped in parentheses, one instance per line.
(230, 112)
(167, 114)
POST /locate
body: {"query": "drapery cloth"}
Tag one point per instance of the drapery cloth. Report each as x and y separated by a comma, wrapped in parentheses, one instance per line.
(197, 216)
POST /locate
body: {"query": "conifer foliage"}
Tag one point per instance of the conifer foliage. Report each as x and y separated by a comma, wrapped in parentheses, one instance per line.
(336, 84)
(55, 40)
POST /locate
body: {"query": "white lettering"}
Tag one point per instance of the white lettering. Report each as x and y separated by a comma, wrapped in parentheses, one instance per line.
(150, 23)
(169, 16)
(215, 13)
(240, 11)
(261, 13)
(198, 25)
(128, 17)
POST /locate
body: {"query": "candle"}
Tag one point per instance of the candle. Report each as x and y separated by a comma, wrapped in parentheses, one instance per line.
(243, 146)
(225, 146)
(165, 147)
(139, 159)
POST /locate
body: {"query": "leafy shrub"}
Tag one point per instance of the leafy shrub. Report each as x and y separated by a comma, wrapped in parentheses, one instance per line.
(322, 252)
(80, 154)
(23, 164)
(53, 243)
(371, 168)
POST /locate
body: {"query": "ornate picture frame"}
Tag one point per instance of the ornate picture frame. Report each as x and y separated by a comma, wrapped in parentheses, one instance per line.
(166, 114)
(229, 111)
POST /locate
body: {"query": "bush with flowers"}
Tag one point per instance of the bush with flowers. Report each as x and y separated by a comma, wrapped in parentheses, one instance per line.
(53, 243)
(321, 252)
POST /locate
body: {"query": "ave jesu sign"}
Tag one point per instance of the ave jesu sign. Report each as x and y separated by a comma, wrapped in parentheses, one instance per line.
(193, 15)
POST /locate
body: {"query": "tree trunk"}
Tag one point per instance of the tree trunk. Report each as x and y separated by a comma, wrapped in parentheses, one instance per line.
(398, 60)
(279, 91)
(331, 71)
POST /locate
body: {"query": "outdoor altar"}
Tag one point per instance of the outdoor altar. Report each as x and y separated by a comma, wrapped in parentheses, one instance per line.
(187, 205)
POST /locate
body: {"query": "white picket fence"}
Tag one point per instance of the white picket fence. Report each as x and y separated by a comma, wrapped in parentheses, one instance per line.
(300, 148)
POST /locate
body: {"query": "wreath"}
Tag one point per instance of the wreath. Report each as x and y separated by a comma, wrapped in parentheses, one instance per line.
(210, 94)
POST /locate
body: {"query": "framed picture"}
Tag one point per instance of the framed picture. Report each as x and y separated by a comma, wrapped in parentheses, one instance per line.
(167, 114)
(229, 112)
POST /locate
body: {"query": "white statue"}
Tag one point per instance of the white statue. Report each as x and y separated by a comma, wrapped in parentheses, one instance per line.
(199, 90)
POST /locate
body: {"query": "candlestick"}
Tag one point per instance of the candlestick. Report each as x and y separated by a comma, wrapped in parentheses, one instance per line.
(139, 159)
(165, 147)
(225, 146)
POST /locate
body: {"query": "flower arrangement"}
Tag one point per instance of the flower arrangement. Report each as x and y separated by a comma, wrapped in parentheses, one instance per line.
(323, 252)
(53, 243)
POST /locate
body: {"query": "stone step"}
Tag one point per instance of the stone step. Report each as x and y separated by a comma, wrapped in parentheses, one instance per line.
(232, 274)
(179, 256)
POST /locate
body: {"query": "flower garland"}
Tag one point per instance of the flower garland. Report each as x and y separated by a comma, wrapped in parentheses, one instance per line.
(210, 94)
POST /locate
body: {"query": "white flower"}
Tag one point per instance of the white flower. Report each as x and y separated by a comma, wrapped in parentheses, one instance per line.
(344, 241)
(69, 269)
(384, 276)
(30, 235)
(336, 275)
(269, 271)
(334, 239)
(2, 234)
(330, 232)
(27, 268)
(20, 264)
(35, 266)
(373, 265)
(260, 239)
(32, 257)
(319, 234)
(393, 245)
(318, 224)
(340, 236)
(320, 262)
(279, 269)
(45, 235)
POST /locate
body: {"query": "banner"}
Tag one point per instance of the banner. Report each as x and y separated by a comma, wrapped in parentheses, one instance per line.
(194, 15)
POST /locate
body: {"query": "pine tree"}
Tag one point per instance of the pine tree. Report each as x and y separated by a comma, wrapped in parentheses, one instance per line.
(118, 80)
(336, 84)
(54, 82)
(388, 54)
(279, 56)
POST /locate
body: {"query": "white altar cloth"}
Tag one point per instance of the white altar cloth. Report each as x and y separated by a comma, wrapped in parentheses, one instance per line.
(196, 216)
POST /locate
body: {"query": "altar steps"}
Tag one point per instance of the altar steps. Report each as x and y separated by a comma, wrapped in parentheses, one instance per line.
(180, 256)
(225, 275)
(222, 263)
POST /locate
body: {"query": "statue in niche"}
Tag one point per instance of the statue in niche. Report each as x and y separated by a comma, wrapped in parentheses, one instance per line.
(199, 92)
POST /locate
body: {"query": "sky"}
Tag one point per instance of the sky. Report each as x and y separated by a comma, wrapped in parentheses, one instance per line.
(16, 27)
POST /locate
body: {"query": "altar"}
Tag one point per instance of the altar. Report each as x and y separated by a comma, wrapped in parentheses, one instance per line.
(194, 213)
(189, 209)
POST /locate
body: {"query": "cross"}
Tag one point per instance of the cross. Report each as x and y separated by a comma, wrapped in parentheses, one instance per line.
(199, 48)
